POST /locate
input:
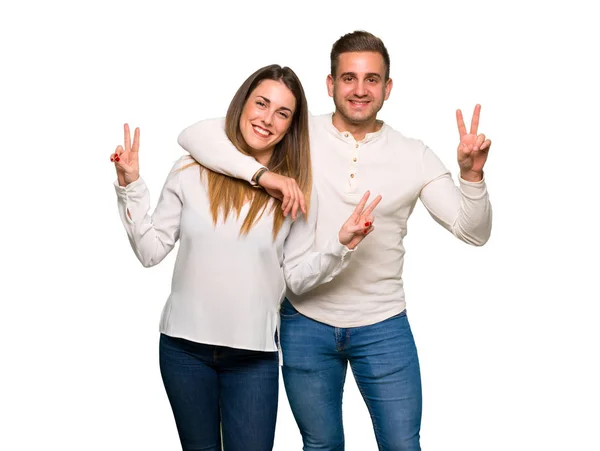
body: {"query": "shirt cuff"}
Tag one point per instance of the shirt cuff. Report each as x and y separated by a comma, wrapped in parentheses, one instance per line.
(251, 178)
(131, 189)
(340, 250)
(472, 190)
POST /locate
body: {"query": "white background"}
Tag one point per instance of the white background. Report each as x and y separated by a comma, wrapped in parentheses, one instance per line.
(507, 334)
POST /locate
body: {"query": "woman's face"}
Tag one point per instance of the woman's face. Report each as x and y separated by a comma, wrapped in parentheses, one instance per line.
(267, 116)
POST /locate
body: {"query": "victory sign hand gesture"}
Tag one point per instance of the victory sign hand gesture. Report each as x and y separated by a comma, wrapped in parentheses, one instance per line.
(360, 222)
(126, 159)
(473, 148)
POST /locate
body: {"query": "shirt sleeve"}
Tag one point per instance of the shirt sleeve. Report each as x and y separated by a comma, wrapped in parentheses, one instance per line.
(465, 210)
(208, 144)
(305, 267)
(151, 237)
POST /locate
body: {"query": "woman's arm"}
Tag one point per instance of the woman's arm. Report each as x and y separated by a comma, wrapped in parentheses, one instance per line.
(304, 266)
(151, 237)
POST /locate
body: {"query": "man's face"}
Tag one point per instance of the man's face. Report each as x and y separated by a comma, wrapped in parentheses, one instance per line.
(359, 88)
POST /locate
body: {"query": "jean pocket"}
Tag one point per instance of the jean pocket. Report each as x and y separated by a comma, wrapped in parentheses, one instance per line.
(287, 310)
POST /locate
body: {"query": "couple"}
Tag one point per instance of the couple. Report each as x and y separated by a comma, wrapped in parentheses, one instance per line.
(242, 245)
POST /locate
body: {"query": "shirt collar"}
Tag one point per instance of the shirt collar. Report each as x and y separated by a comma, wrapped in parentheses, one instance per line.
(346, 135)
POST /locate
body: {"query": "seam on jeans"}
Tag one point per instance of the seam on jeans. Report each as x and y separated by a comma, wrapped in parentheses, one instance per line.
(341, 419)
(369, 408)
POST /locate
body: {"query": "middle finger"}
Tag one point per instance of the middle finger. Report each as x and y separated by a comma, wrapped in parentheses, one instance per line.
(475, 119)
(372, 205)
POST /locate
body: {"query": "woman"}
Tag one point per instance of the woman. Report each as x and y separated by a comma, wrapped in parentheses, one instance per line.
(218, 345)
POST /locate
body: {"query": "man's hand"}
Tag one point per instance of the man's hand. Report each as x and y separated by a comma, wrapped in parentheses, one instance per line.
(286, 190)
(473, 148)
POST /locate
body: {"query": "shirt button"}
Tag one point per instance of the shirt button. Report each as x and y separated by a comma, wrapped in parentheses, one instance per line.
(356, 145)
(351, 176)
(354, 159)
(346, 135)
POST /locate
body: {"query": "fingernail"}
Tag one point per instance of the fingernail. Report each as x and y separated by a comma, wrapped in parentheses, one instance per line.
(367, 224)
(366, 231)
(117, 159)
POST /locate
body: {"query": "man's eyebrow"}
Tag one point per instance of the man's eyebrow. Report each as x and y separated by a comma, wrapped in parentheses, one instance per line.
(368, 75)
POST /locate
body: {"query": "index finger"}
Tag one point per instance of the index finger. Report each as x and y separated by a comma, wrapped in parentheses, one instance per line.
(127, 138)
(461, 124)
(136, 140)
(475, 119)
(372, 205)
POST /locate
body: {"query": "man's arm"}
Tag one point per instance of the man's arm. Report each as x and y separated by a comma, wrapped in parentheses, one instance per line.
(208, 144)
(465, 211)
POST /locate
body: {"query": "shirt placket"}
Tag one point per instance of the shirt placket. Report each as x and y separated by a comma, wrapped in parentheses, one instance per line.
(352, 163)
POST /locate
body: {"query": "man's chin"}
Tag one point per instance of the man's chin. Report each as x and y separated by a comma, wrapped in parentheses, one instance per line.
(360, 118)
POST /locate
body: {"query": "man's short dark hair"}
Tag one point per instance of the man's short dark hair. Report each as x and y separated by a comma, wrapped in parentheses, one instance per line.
(359, 41)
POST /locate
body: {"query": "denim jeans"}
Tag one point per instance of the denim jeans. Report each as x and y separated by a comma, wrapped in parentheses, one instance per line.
(215, 390)
(383, 358)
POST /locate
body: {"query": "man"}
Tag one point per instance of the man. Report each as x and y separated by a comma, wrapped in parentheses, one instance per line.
(360, 317)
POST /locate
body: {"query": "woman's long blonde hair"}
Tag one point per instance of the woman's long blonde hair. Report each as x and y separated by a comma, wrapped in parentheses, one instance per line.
(291, 156)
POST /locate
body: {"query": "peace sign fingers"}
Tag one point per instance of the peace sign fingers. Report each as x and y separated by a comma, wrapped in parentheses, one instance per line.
(475, 119)
(127, 138)
(136, 140)
(473, 147)
(372, 206)
(358, 211)
(125, 157)
(462, 130)
(360, 223)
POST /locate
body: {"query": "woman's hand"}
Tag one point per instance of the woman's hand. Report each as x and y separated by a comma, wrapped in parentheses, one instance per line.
(360, 223)
(126, 159)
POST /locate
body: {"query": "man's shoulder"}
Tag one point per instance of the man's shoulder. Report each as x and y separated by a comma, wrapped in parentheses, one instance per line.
(396, 137)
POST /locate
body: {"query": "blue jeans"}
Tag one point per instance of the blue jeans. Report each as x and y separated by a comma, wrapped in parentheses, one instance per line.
(383, 358)
(216, 390)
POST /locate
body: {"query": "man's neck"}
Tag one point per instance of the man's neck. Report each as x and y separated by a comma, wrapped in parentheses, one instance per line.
(360, 130)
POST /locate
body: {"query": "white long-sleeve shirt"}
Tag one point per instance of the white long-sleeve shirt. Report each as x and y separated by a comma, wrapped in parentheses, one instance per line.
(385, 162)
(226, 288)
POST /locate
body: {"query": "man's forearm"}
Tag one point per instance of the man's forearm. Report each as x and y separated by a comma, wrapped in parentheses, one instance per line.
(208, 144)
